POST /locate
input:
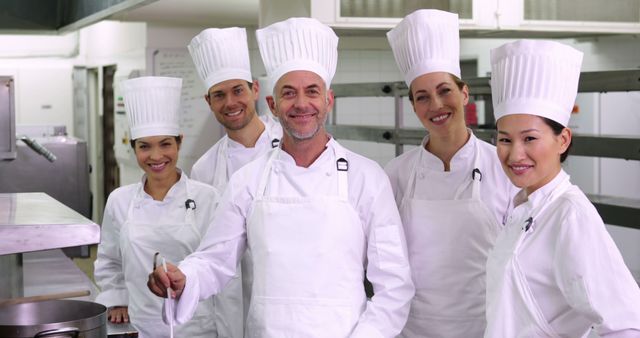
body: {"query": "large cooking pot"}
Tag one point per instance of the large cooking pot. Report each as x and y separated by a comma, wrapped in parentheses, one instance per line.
(54, 318)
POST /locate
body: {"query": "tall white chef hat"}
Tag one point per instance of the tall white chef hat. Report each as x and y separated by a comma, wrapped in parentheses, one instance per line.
(535, 77)
(221, 54)
(298, 44)
(426, 41)
(153, 105)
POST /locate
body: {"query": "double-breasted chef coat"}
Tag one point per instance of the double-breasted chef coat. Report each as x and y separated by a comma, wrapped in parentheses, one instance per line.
(134, 228)
(451, 219)
(312, 232)
(556, 272)
(215, 168)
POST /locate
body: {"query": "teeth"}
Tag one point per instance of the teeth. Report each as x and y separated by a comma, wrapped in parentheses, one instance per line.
(439, 118)
(234, 113)
(520, 168)
(156, 166)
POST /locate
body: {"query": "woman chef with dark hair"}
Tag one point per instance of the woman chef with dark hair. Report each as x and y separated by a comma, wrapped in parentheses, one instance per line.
(165, 212)
(554, 271)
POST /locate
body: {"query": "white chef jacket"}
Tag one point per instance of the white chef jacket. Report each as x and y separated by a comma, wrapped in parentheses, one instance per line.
(442, 185)
(231, 305)
(237, 154)
(385, 255)
(428, 200)
(109, 271)
(574, 269)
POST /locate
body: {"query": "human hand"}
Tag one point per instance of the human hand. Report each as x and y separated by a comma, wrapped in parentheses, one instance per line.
(159, 281)
(118, 314)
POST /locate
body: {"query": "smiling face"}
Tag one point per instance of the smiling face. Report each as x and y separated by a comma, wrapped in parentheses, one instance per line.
(439, 102)
(157, 156)
(529, 150)
(233, 103)
(301, 102)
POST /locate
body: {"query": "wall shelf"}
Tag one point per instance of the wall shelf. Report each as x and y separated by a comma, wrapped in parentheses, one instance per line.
(619, 211)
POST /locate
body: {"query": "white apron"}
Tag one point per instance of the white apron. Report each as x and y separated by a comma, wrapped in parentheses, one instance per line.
(139, 243)
(232, 303)
(448, 243)
(512, 310)
(308, 255)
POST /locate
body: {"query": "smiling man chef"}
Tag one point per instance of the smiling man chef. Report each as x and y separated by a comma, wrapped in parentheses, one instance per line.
(221, 57)
(313, 215)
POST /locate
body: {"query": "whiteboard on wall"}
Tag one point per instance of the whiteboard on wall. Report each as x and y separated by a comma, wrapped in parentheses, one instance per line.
(197, 123)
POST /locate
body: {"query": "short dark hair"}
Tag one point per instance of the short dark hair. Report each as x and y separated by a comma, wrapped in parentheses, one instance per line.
(250, 84)
(458, 81)
(557, 129)
(178, 141)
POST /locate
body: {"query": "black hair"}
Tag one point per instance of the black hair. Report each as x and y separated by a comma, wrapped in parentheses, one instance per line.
(557, 130)
(458, 81)
(178, 141)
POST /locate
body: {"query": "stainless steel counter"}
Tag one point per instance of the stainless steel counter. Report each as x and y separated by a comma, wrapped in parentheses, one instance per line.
(36, 221)
(51, 272)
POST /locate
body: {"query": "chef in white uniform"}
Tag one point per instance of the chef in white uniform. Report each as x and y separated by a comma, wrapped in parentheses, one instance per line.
(451, 191)
(221, 57)
(313, 214)
(165, 212)
(554, 271)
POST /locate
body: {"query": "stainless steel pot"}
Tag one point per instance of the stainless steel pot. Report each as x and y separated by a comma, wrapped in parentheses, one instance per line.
(54, 318)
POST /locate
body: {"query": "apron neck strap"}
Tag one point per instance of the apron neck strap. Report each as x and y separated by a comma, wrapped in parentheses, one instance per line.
(342, 168)
(475, 176)
(220, 176)
(189, 204)
(264, 178)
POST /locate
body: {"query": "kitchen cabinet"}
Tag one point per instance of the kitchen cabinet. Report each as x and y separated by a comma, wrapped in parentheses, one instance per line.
(489, 19)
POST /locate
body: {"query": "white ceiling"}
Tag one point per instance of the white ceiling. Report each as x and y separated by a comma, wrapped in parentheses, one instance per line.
(212, 13)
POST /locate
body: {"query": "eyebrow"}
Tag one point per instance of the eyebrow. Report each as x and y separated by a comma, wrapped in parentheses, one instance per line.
(522, 132)
(216, 92)
(437, 87)
(164, 139)
(311, 86)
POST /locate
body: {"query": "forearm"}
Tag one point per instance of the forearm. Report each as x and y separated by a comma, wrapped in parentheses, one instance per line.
(207, 271)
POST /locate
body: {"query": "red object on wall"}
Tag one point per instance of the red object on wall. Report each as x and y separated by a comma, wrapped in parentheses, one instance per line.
(471, 114)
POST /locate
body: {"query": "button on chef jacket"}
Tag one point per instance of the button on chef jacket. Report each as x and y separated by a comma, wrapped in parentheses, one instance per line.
(155, 223)
(383, 250)
(573, 269)
(215, 168)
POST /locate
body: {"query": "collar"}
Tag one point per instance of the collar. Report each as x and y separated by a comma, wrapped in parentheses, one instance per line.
(462, 159)
(268, 123)
(325, 156)
(173, 191)
(539, 196)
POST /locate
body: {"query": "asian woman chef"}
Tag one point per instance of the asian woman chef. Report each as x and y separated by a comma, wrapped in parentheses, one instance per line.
(165, 212)
(454, 196)
(554, 271)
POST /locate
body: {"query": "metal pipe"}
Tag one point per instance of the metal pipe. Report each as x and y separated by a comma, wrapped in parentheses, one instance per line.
(38, 148)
